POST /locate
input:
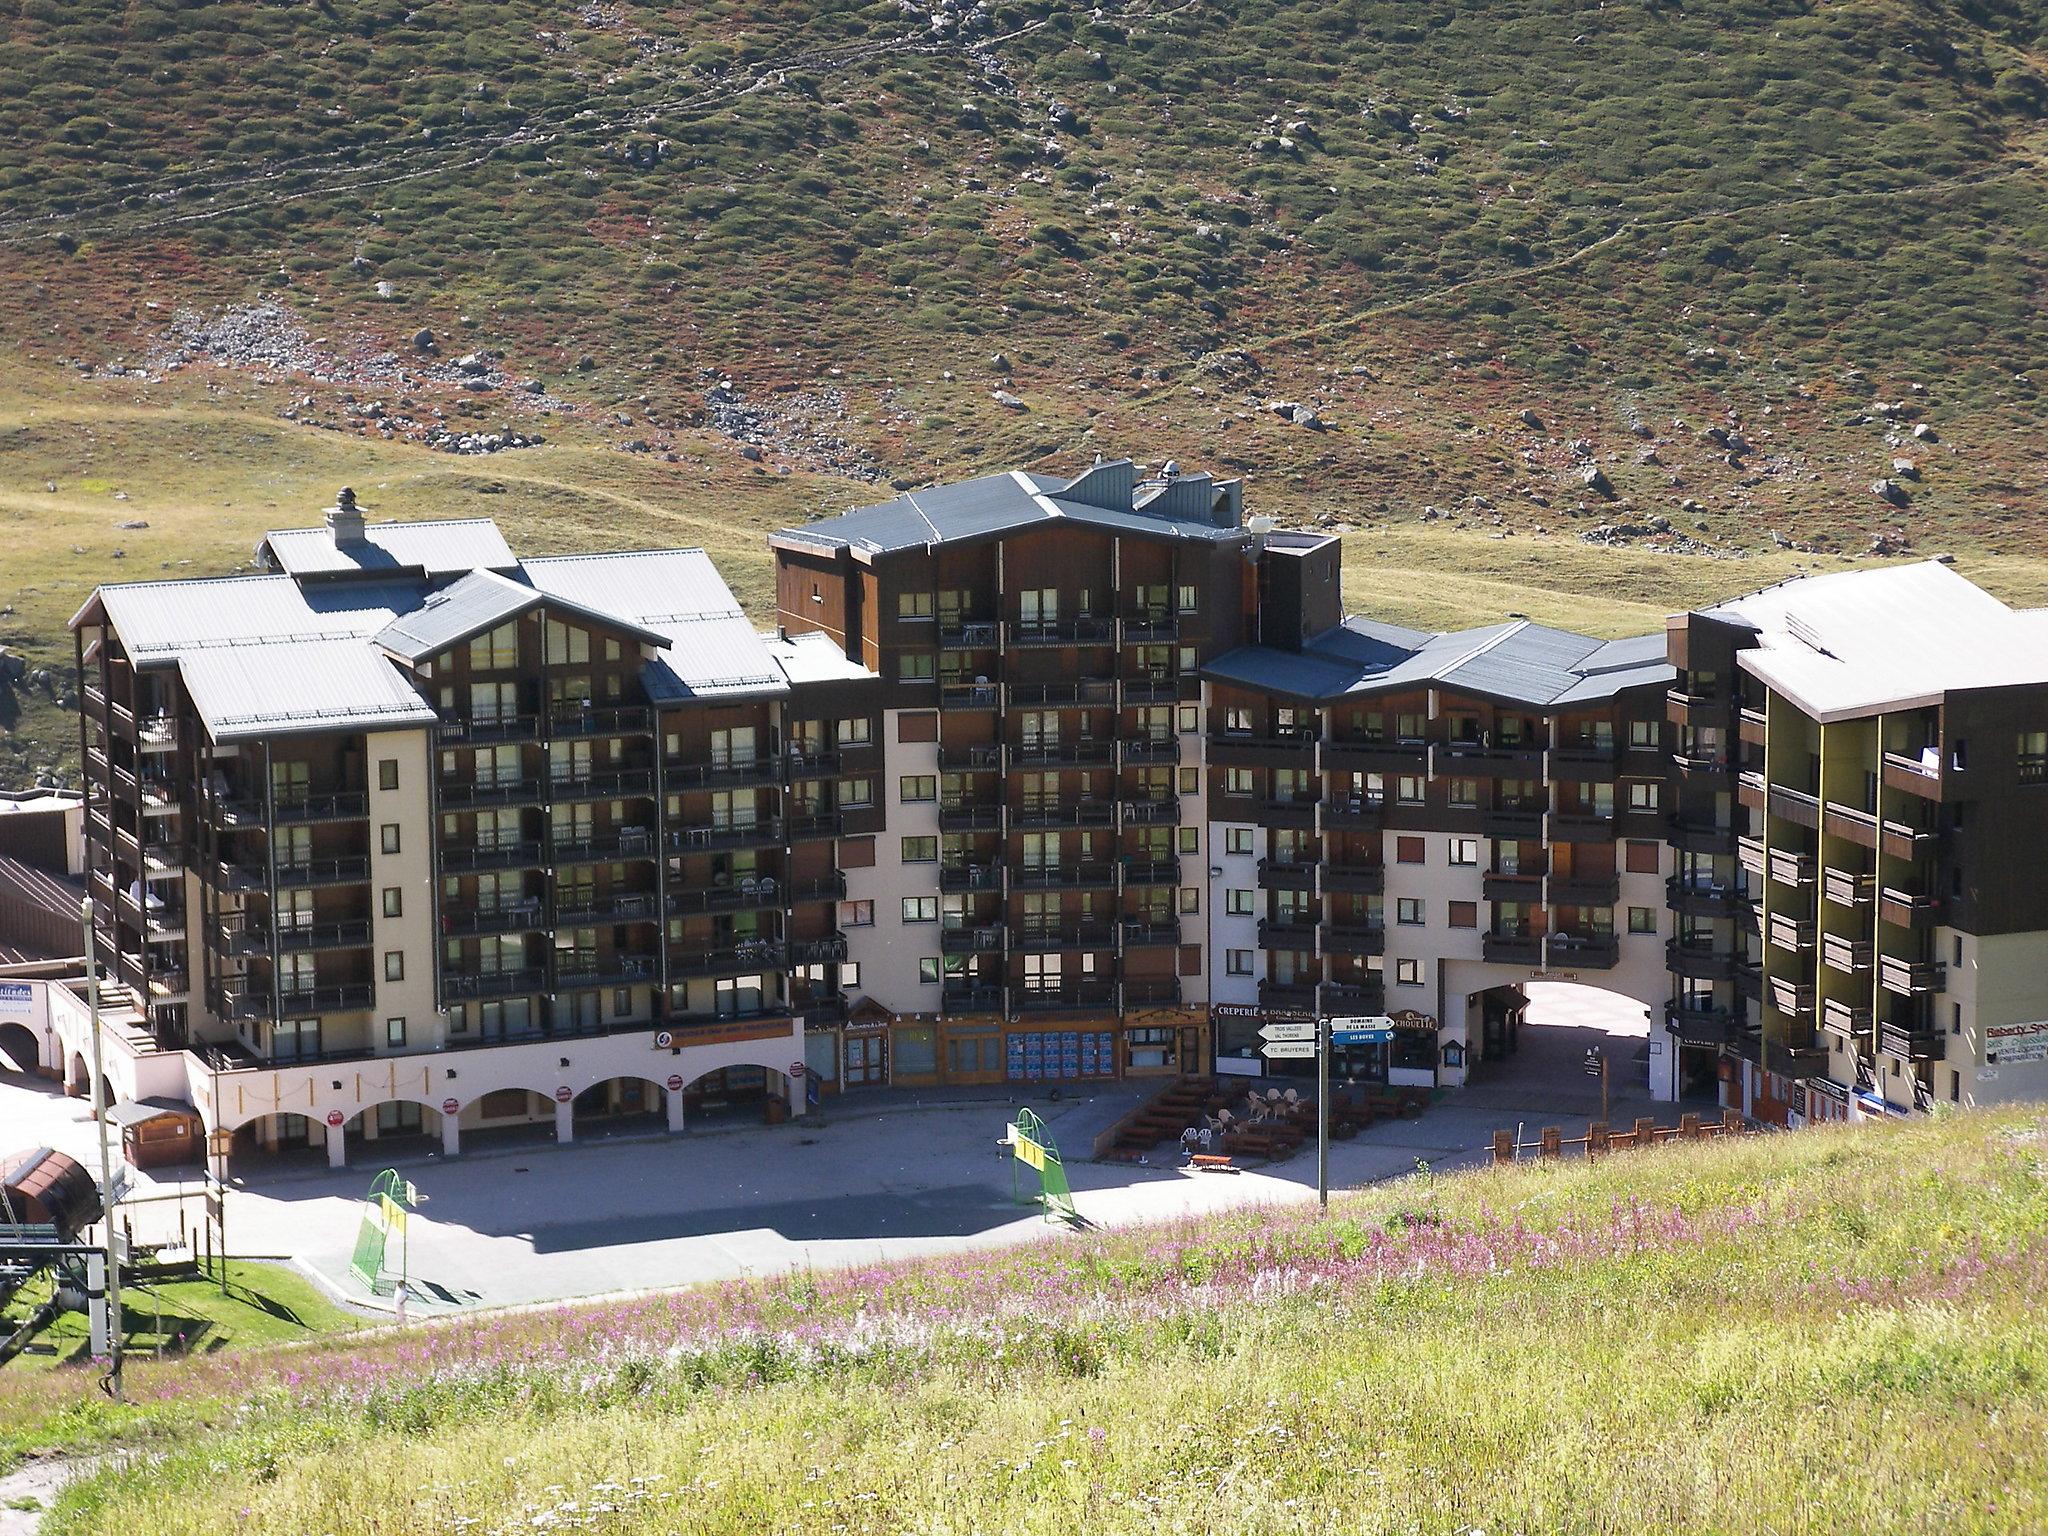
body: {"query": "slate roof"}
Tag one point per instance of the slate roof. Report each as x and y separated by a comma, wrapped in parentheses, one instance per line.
(1107, 496)
(1855, 643)
(1516, 663)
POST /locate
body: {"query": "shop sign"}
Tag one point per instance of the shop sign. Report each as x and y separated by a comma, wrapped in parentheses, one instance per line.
(2012, 1045)
(15, 997)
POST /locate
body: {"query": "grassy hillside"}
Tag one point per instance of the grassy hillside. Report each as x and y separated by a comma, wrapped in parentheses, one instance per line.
(1838, 1330)
(1819, 228)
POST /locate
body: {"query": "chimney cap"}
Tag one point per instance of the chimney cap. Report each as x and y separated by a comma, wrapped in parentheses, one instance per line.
(345, 498)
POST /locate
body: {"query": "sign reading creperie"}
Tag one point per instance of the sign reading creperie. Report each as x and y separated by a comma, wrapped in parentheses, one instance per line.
(2014, 1045)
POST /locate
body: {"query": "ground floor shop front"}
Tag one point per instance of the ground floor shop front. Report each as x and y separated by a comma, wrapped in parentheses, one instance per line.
(911, 1050)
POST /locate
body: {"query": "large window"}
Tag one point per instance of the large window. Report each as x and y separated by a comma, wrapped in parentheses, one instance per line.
(495, 650)
(566, 646)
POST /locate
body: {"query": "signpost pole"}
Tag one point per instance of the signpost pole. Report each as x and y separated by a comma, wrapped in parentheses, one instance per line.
(100, 1096)
(1603, 1088)
(1323, 1112)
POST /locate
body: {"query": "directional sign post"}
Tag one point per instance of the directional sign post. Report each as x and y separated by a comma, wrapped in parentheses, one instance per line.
(1288, 1050)
(1287, 1032)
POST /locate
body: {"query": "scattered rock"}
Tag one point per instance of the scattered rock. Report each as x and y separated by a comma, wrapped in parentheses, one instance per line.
(132, 523)
(1006, 400)
(1531, 420)
(1905, 469)
(1925, 433)
(1596, 480)
(423, 341)
(1000, 363)
(1891, 491)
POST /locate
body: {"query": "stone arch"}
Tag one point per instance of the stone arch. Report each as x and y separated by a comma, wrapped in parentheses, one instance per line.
(619, 1101)
(19, 1049)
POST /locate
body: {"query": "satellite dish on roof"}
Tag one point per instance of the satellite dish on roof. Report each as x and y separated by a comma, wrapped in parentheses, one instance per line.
(1170, 469)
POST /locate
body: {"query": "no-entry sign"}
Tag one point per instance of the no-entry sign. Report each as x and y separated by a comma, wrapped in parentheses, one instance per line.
(563, 1095)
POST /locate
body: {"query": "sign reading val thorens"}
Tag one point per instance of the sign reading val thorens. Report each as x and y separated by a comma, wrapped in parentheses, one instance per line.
(2012, 1045)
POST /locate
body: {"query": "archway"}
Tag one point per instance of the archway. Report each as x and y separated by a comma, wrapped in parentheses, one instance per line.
(745, 1092)
(19, 1052)
(276, 1141)
(619, 1105)
(376, 1133)
(1541, 1041)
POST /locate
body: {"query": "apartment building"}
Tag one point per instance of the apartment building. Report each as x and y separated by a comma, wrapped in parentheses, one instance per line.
(1035, 780)
(1861, 780)
(410, 836)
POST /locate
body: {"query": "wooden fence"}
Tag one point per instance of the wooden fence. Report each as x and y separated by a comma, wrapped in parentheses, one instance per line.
(1600, 1139)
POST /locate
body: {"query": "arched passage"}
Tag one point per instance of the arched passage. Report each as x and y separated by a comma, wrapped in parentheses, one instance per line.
(1545, 1040)
(743, 1091)
(620, 1104)
(19, 1051)
(391, 1128)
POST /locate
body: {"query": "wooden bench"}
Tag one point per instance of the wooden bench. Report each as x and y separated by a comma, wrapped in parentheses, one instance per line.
(1211, 1162)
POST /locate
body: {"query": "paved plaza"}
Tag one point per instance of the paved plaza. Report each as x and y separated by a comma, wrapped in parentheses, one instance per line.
(888, 1174)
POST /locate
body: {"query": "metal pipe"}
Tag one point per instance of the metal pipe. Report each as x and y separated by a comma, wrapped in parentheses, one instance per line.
(99, 1093)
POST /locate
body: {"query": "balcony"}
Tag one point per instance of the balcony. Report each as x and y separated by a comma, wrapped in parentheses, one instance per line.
(808, 760)
(602, 847)
(1041, 937)
(1346, 999)
(1290, 995)
(771, 1017)
(1702, 898)
(623, 720)
(1750, 853)
(815, 826)
(1243, 749)
(1143, 933)
(1354, 938)
(1852, 957)
(454, 729)
(1847, 1022)
(1684, 707)
(587, 910)
(469, 986)
(970, 941)
(1065, 813)
(1395, 757)
(1849, 823)
(1284, 933)
(1352, 879)
(352, 933)
(1584, 762)
(1512, 823)
(1151, 749)
(970, 877)
(730, 773)
(748, 895)
(603, 971)
(1583, 890)
(1903, 840)
(1790, 933)
(617, 784)
(1298, 814)
(983, 758)
(1084, 752)
(1151, 992)
(1701, 960)
(1700, 837)
(1363, 813)
(1581, 826)
(747, 957)
(1796, 1059)
(1151, 813)
(960, 633)
(1149, 871)
(970, 696)
(1477, 760)
(1583, 951)
(343, 871)
(1150, 688)
(1285, 875)
(1082, 631)
(1700, 762)
(979, 997)
(1154, 628)
(1702, 1024)
(458, 792)
(765, 833)
(1512, 948)
(1090, 692)
(1495, 886)
(517, 854)
(242, 1004)
(1074, 997)
(1909, 909)
(1916, 774)
(1068, 877)
(1846, 887)
(826, 887)
(345, 805)
(1911, 1041)
(1793, 869)
(1912, 978)
(1789, 997)
(527, 916)
(966, 816)
(1799, 806)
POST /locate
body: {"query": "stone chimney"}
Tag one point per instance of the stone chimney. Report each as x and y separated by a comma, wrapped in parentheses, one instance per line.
(345, 518)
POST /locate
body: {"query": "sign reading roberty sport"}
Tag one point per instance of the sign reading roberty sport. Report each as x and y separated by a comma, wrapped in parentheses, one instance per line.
(2013, 1045)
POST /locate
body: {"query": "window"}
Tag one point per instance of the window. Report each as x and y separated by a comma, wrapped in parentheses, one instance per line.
(914, 605)
(1237, 781)
(394, 965)
(400, 1118)
(928, 970)
(916, 666)
(495, 650)
(622, 1002)
(1645, 735)
(1188, 598)
(916, 787)
(1408, 911)
(1237, 962)
(856, 914)
(856, 732)
(1465, 793)
(1409, 850)
(566, 646)
(1642, 920)
(1237, 840)
(1408, 973)
(387, 773)
(1190, 839)
(1191, 898)
(2033, 755)
(920, 850)
(1191, 781)
(920, 909)
(1464, 851)
(1190, 717)
(1645, 794)
(394, 1032)
(1408, 789)
(1464, 914)
(1237, 722)
(1238, 903)
(394, 901)
(388, 834)
(856, 793)
(1409, 727)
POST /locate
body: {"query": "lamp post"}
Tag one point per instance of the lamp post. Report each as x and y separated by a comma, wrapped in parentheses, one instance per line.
(107, 1193)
